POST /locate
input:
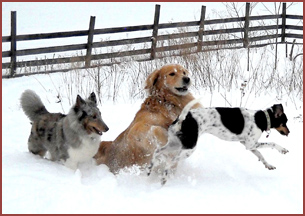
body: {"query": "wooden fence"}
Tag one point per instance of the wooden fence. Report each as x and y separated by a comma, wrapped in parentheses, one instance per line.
(201, 44)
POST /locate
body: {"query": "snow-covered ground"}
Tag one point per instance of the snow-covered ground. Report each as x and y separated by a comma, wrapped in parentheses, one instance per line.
(220, 177)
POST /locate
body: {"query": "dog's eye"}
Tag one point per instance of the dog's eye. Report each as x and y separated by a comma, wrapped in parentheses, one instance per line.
(172, 74)
(184, 73)
(94, 116)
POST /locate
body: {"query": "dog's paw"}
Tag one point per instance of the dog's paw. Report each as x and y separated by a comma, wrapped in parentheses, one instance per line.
(270, 167)
(163, 181)
(284, 151)
(148, 169)
(164, 177)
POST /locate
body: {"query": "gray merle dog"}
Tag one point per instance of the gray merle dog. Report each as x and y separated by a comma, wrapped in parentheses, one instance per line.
(71, 138)
(231, 124)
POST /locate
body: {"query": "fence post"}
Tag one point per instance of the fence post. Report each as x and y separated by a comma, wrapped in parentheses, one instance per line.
(246, 26)
(13, 43)
(155, 32)
(90, 41)
(283, 23)
(201, 29)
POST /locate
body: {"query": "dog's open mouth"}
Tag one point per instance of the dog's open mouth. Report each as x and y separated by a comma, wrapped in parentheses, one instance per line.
(283, 133)
(97, 131)
(182, 89)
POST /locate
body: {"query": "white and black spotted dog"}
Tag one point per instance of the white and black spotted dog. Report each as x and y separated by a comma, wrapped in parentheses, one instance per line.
(231, 124)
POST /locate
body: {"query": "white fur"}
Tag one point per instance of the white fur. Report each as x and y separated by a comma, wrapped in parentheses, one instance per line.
(83, 153)
(185, 111)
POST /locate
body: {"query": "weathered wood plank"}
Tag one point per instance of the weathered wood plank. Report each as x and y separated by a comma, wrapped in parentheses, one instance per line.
(13, 43)
(289, 16)
(46, 50)
(90, 41)
(121, 42)
(176, 47)
(283, 23)
(298, 36)
(51, 35)
(294, 27)
(154, 38)
(264, 17)
(201, 29)
(177, 36)
(246, 26)
(266, 37)
(120, 54)
(263, 28)
(123, 29)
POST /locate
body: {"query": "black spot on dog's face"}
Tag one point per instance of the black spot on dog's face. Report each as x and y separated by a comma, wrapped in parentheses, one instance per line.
(83, 116)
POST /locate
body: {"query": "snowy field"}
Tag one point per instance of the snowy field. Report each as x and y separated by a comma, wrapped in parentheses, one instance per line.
(220, 177)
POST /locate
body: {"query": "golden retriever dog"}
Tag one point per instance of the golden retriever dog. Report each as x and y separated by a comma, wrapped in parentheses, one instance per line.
(168, 93)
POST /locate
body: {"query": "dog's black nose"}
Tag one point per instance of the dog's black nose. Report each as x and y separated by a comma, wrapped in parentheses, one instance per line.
(186, 80)
(106, 128)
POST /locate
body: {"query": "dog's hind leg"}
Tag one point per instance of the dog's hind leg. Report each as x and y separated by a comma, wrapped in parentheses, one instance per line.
(35, 146)
(170, 168)
(40, 152)
(164, 177)
(155, 161)
(271, 145)
(165, 174)
(262, 159)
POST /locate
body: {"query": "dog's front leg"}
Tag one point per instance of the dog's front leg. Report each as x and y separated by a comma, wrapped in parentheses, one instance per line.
(71, 164)
(262, 159)
(252, 146)
(170, 167)
(271, 145)
(156, 160)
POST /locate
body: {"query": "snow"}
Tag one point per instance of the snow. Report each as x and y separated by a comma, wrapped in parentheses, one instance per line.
(219, 173)
(219, 177)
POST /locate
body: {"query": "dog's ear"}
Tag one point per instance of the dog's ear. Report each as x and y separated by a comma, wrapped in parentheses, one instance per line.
(278, 110)
(92, 97)
(79, 102)
(152, 80)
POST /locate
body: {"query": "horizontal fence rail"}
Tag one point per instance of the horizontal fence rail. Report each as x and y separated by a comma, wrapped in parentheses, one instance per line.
(201, 43)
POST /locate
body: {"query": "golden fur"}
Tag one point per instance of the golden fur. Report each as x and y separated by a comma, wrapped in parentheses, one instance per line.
(167, 95)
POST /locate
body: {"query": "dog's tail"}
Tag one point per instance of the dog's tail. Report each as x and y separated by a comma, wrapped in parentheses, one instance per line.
(32, 105)
(187, 108)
